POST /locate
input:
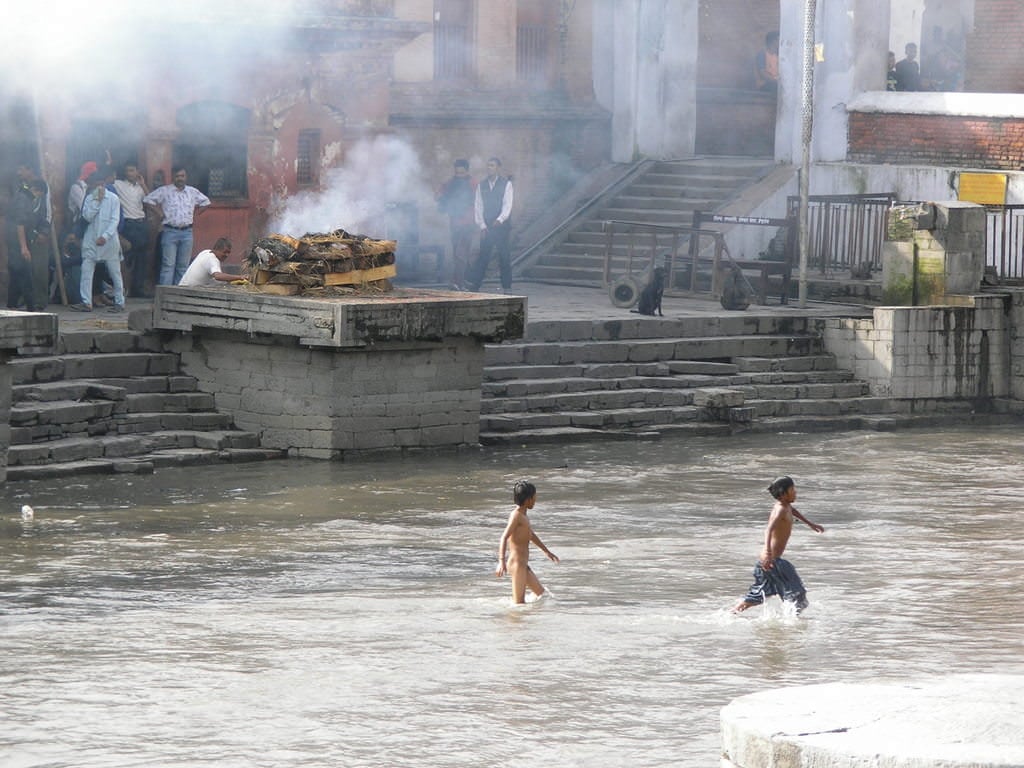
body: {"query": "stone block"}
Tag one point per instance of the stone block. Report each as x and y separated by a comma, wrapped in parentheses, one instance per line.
(718, 397)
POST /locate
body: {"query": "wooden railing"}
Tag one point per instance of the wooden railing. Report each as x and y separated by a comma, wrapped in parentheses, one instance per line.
(696, 261)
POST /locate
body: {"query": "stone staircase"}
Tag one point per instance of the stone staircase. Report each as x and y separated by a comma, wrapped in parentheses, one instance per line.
(696, 375)
(667, 193)
(113, 401)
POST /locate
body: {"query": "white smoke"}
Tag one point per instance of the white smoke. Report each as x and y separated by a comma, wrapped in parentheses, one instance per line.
(357, 195)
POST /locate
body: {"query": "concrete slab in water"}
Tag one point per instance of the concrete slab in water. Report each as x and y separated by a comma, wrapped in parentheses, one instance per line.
(958, 721)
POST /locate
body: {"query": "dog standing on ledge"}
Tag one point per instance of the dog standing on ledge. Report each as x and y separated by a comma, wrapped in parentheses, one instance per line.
(650, 296)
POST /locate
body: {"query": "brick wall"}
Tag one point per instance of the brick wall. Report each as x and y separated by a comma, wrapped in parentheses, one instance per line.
(974, 142)
(995, 63)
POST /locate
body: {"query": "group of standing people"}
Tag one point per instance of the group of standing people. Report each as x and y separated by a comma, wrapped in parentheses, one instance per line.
(942, 72)
(109, 228)
(483, 208)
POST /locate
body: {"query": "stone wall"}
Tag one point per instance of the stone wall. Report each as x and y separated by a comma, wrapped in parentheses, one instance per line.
(326, 404)
(1016, 343)
(963, 352)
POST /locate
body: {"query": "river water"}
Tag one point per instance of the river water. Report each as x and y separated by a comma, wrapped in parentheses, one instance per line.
(324, 614)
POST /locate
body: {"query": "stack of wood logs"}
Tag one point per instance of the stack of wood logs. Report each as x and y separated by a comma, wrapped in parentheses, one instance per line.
(318, 264)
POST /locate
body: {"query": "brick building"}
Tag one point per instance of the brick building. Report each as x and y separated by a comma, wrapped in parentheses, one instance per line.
(263, 102)
(260, 101)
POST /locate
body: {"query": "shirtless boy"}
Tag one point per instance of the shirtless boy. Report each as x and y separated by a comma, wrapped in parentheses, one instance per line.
(772, 574)
(516, 540)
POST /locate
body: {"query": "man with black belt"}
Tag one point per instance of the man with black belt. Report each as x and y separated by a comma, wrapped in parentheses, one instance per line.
(130, 191)
(493, 212)
(177, 205)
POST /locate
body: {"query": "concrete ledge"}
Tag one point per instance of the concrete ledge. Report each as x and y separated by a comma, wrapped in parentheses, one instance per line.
(957, 720)
(996, 105)
(403, 315)
(27, 329)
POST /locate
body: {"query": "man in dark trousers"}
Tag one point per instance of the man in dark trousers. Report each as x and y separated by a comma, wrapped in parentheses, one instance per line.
(456, 198)
(493, 211)
(908, 71)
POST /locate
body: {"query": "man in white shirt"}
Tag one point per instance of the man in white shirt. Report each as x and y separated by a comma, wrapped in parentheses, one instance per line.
(205, 269)
(130, 191)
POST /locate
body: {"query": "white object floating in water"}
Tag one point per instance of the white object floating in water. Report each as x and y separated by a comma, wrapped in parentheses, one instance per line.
(27, 513)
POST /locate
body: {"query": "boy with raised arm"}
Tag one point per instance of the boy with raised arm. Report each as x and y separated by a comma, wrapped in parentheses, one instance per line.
(515, 540)
(772, 574)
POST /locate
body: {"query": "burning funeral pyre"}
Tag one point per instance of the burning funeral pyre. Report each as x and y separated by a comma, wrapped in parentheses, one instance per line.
(322, 264)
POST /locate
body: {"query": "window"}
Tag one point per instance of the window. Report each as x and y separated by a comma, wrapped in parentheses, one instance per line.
(213, 148)
(536, 22)
(452, 39)
(307, 159)
(532, 55)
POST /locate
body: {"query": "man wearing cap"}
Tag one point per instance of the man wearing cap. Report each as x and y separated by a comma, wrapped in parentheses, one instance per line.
(177, 205)
(100, 243)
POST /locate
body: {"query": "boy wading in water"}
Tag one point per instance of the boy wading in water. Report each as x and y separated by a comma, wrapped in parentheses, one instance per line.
(516, 540)
(772, 574)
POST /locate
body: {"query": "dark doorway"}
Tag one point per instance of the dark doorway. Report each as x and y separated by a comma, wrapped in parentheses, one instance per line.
(102, 141)
(734, 117)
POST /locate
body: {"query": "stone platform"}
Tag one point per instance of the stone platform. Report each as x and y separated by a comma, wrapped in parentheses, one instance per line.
(956, 721)
(356, 321)
(340, 377)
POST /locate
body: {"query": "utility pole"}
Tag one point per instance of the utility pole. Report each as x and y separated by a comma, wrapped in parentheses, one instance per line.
(807, 103)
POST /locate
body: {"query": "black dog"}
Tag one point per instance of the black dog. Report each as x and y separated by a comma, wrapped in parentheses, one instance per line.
(650, 296)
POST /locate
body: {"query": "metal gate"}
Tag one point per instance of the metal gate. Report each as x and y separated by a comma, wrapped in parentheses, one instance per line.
(845, 232)
(1004, 240)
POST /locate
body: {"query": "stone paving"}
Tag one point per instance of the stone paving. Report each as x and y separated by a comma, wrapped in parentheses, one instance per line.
(545, 303)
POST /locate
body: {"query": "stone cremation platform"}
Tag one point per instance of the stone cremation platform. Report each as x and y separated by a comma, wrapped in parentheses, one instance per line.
(954, 721)
(358, 320)
(338, 376)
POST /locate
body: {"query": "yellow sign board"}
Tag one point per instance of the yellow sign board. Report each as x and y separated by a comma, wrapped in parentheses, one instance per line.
(983, 188)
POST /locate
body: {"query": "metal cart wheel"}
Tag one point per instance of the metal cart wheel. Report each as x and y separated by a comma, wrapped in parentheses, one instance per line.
(624, 291)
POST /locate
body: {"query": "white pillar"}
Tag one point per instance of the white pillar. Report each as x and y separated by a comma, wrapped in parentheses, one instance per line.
(653, 44)
(854, 37)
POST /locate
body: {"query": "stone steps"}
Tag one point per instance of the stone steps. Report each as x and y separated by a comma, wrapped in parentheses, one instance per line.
(753, 373)
(80, 388)
(667, 194)
(538, 436)
(714, 348)
(34, 370)
(542, 395)
(141, 464)
(114, 402)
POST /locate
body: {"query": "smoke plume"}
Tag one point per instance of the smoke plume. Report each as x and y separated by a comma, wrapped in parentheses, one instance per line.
(358, 195)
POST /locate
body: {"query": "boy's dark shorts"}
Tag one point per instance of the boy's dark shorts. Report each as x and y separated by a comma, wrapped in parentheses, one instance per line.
(781, 580)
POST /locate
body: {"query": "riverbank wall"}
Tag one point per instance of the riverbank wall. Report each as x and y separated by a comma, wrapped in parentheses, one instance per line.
(971, 348)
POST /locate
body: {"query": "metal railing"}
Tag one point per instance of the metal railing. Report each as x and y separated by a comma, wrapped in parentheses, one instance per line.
(845, 232)
(1004, 240)
(532, 55)
(451, 51)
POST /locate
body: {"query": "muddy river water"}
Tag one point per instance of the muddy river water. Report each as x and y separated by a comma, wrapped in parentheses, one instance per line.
(303, 613)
